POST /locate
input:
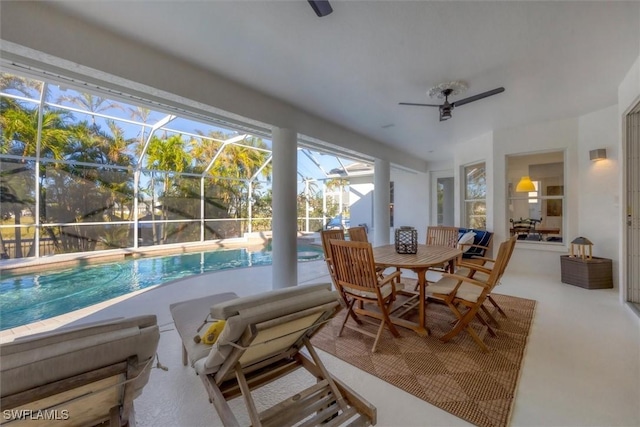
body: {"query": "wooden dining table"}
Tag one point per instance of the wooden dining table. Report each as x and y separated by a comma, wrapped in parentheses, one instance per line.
(428, 256)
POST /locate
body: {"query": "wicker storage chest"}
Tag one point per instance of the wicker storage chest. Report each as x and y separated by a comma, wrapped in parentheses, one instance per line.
(592, 273)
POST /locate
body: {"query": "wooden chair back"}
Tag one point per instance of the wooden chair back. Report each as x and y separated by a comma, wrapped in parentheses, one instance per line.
(354, 266)
(358, 234)
(442, 236)
(327, 235)
(501, 261)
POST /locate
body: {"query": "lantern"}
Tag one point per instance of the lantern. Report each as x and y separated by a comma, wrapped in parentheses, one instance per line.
(406, 240)
(583, 244)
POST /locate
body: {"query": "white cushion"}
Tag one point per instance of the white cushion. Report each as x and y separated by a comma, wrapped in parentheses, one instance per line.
(466, 239)
(446, 285)
(469, 292)
(385, 290)
(443, 286)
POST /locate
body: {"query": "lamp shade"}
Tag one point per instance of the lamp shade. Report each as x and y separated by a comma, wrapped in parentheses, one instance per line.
(598, 154)
(525, 185)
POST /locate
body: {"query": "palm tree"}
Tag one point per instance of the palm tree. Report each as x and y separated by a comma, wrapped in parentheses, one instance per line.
(19, 133)
(91, 103)
(140, 114)
(27, 87)
(167, 155)
(240, 162)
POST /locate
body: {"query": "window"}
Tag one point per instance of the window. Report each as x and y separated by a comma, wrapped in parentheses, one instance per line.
(475, 196)
(536, 214)
(444, 202)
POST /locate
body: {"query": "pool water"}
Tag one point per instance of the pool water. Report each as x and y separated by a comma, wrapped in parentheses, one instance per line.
(28, 298)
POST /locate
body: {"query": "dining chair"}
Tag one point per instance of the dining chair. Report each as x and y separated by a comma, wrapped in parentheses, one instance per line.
(358, 234)
(480, 268)
(355, 273)
(465, 295)
(327, 235)
(442, 236)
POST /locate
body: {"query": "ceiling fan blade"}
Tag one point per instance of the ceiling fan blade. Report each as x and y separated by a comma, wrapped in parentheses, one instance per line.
(321, 7)
(419, 105)
(477, 97)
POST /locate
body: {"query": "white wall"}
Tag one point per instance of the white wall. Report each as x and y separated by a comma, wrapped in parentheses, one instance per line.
(477, 150)
(599, 201)
(411, 201)
(361, 201)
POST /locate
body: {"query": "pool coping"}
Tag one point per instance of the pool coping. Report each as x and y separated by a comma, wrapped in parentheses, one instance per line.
(19, 266)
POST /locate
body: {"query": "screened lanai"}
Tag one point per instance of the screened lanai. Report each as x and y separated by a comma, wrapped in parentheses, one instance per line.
(83, 170)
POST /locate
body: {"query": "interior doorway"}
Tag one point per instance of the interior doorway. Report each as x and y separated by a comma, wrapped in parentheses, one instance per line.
(632, 172)
(442, 200)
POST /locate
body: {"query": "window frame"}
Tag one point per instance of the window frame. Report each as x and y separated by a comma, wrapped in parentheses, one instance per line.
(466, 169)
(539, 196)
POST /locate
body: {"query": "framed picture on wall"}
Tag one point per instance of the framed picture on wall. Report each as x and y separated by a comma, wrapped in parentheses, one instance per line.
(554, 206)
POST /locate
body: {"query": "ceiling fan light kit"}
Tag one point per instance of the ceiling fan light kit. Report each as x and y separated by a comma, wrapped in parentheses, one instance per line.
(445, 90)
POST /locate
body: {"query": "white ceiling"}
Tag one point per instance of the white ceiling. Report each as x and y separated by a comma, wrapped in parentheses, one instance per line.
(556, 59)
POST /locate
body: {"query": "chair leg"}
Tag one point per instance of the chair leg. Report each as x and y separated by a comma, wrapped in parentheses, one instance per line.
(254, 415)
(387, 320)
(490, 316)
(495, 304)
(346, 316)
(476, 338)
(460, 325)
(486, 324)
(378, 335)
(351, 313)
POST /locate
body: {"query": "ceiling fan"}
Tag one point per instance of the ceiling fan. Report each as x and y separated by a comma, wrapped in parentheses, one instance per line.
(446, 90)
(321, 7)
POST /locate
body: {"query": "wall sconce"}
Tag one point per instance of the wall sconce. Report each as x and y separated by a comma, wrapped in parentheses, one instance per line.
(525, 185)
(598, 154)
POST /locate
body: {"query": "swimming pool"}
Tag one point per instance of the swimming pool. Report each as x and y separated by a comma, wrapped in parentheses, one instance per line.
(31, 297)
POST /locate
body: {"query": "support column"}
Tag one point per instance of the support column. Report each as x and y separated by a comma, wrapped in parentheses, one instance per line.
(284, 223)
(381, 200)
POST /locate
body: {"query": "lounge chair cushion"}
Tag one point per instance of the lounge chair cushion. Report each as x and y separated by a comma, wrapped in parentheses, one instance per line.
(232, 307)
(254, 309)
(32, 361)
(188, 316)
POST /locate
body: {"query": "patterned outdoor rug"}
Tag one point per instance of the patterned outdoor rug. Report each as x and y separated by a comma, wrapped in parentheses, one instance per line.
(455, 376)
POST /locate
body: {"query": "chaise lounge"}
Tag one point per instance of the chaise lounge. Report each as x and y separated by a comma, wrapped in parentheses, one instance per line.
(261, 342)
(83, 376)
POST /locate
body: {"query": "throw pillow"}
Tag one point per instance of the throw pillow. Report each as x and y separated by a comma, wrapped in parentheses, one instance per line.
(466, 240)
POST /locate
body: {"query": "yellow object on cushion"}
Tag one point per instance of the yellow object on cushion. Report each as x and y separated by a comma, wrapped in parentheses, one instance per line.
(213, 332)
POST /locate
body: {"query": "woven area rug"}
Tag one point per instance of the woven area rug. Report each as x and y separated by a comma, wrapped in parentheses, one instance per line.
(455, 376)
